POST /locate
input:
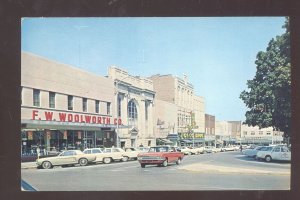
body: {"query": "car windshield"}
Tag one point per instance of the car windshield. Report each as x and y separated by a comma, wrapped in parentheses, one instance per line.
(158, 149)
(267, 149)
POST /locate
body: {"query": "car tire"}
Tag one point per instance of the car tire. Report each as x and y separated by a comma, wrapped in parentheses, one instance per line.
(178, 161)
(125, 159)
(83, 162)
(268, 158)
(165, 163)
(143, 165)
(107, 160)
(46, 165)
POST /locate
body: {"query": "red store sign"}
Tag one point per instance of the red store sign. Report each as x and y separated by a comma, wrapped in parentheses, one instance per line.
(71, 117)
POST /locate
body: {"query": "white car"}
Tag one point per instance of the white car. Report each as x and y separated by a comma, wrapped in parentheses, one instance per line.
(227, 148)
(117, 153)
(216, 150)
(274, 153)
(106, 155)
(208, 149)
(200, 149)
(252, 152)
(131, 153)
(69, 157)
(185, 150)
(194, 150)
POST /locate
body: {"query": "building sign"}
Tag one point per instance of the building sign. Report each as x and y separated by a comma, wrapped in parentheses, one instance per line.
(72, 117)
(191, 135)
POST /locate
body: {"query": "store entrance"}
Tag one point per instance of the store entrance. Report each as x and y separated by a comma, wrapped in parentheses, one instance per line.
(89, 143)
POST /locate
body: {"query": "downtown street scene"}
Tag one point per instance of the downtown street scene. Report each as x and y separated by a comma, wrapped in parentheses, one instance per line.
(155, 104)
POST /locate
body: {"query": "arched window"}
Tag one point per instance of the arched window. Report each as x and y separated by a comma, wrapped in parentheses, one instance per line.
(132, 111)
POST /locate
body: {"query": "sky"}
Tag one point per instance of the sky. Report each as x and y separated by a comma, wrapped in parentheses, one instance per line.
(216, 53)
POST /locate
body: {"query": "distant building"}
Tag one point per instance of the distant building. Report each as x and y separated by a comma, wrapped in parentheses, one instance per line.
(228, 132)
(210, 127)
(233, 132)
(255, 135)
(189, 107)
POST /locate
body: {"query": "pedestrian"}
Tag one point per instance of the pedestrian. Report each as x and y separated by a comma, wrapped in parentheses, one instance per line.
(241, 148)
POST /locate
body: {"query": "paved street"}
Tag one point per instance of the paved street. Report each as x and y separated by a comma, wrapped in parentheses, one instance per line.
(220, 171)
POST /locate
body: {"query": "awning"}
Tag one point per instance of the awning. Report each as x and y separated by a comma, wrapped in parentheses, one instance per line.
(166, 141)
(186, 141)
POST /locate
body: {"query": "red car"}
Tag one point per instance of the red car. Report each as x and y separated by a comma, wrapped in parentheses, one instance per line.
(160, 155)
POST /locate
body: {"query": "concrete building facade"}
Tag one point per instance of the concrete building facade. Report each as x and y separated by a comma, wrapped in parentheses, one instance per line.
(65, 107)
(255, 135)
(210, 128)
(190, 107)
(234, 132)
(134, 100)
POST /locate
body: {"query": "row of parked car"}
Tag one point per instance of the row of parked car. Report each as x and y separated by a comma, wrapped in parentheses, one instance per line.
(108, 155)
(269, 153)
(90, 155)
(188, 150)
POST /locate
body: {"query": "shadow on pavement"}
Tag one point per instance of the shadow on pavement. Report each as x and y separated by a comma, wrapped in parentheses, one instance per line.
(253, 160)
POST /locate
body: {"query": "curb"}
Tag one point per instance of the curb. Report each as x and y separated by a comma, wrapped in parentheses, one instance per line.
(28, 166)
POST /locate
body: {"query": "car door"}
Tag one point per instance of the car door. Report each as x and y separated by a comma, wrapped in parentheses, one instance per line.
(276, 152)
(172, 154)
(98, 153)
(67, 157)
(285, 154)
(117, 153)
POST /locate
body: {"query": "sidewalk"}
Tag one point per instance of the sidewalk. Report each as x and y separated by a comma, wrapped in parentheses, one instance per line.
(207, 168)
(28, 165)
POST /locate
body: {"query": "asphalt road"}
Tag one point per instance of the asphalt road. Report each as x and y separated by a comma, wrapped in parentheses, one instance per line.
(219, 171)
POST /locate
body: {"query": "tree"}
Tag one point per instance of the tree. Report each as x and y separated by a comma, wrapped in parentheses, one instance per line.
(269, 93)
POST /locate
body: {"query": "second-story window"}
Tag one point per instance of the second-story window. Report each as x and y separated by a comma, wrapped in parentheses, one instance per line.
(97, 103)
(36, 97)
(70, 102)
(51, 100)
(84, 104)
(119, 106)
(146, 110)
(108, 108)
